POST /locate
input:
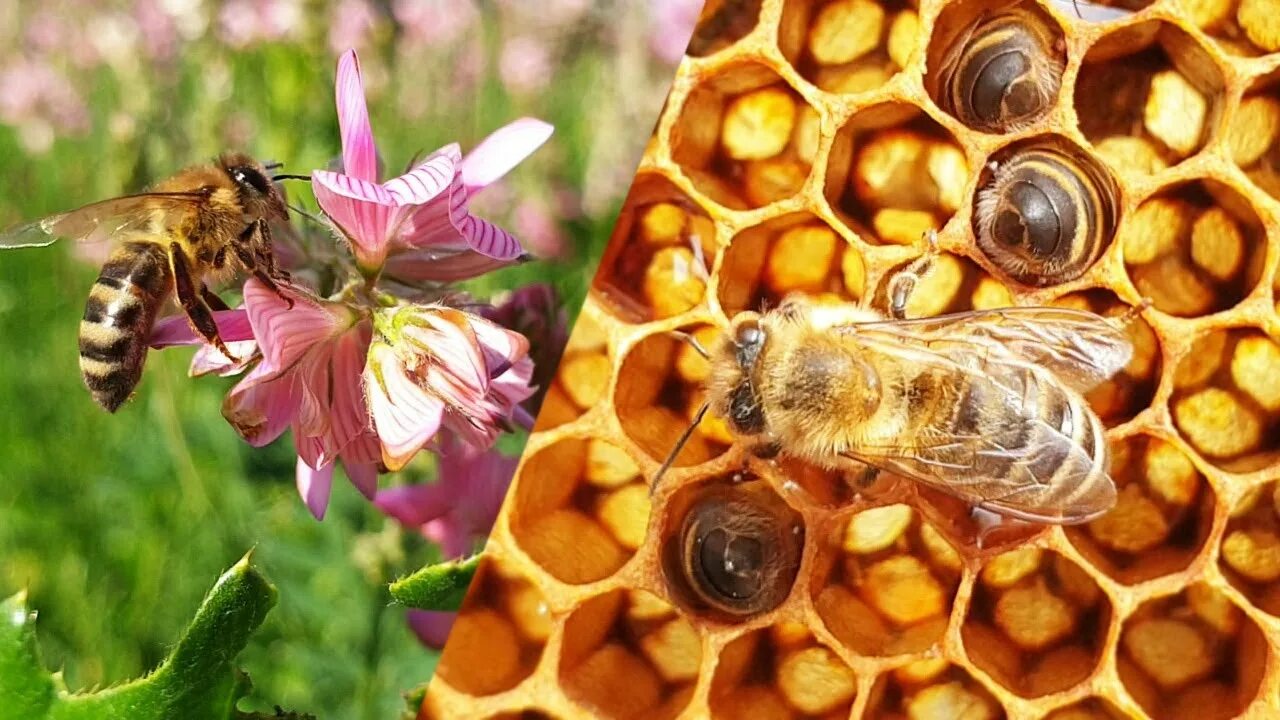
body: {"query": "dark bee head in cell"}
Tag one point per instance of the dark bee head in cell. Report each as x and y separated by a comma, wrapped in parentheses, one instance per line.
(739, 549)
(744, 411)
(1002, 73)
(257, 193)
(1044, 215)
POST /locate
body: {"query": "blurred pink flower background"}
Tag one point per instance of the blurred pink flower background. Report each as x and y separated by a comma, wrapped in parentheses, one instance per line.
(413, 342)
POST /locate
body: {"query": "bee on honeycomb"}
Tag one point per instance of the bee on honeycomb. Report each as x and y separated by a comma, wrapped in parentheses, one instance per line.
(1068, 155)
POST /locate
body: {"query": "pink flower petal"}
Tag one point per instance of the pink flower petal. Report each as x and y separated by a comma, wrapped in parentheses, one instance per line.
(210, 360)
(432, 265)
(449, 341)
(471, 432)
(501, 151)
(424, 182)
(488, 239)
(233, 325)
(502, 347)
(285, 334)
(413, 505)
(364, 449)
(432, 627)
(359, 155)
(362, 211)
(404, 416)
(364, 476)
(349, 416)
(454, 536)
(314, 487)
(261, 406)
(314, 385)
(445, 222)
(513, 385)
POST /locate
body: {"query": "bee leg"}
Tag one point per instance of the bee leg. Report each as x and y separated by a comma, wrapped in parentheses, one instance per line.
(197, 310)
(270, 282)
(1134, 312)
(262, 249)
(250, 261)
(865, 478)
(211, 299)
(905, 280)
(988, 522)
(767, 450)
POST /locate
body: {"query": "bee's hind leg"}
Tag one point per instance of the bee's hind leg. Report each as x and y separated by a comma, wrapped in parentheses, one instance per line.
(905, 280)
(194, 302)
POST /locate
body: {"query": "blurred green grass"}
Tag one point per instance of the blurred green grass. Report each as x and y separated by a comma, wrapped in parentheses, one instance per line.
(118, 524)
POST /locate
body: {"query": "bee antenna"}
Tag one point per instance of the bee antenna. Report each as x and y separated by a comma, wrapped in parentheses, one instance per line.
(286, 176)
(675, 451)
(273, 165)
(693, 342)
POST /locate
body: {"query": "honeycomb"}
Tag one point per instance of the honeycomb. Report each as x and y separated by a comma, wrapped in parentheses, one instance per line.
(805, 147)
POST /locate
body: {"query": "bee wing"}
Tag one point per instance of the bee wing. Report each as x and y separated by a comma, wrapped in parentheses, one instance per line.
(1091, 11)
(1082, 349)
(1011, 437)
(102, 221)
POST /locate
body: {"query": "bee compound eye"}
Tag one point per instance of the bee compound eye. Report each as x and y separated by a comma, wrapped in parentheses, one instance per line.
(247, 177)
(740, 551)
(1004, 74)
(1045, 215)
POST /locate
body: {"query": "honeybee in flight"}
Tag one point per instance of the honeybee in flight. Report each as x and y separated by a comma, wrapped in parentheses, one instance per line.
(205, 222)
(983, 405)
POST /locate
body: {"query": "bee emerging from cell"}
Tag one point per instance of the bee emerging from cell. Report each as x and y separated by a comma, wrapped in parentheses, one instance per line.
(1002, 72)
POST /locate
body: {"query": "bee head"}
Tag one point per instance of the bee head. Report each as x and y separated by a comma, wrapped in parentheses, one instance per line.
(744, 410)
(259, 196)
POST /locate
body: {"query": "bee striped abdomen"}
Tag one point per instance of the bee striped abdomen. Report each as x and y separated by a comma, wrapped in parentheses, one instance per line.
(1004, 75)
(1051, 447)
(1045, 216)
(117, 320)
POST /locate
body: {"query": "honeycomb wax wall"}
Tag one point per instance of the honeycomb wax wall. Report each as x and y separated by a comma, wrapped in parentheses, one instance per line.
(805, 147)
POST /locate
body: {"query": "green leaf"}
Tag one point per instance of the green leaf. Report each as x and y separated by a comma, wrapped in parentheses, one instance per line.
(440, 587)
(26, 688)
(413, 700)
(196, 681)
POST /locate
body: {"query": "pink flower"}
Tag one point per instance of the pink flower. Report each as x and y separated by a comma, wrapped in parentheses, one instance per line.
(432, 626)
(351, 24)
(434, 23)
(32, 90)
(540, 230)
(525, 65)
(304, 375)
(459, 509)
(672, 26)
(246, 22)
(457, 512)
(157, 29)
(534, 312)
(434, 367)
(421, 215)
